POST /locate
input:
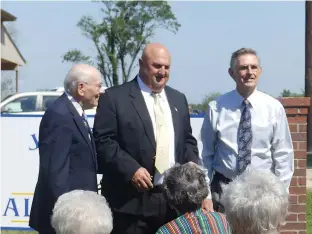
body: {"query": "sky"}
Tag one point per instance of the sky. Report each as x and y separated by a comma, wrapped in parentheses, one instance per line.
(210, 32)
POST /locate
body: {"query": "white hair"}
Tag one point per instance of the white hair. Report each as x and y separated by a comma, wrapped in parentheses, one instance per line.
(75, 76)
(255, 202)
(81, 212)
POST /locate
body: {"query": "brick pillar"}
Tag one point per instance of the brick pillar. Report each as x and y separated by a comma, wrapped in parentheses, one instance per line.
(297, 113)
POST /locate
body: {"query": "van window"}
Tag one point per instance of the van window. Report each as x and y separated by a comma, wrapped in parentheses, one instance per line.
(22, 104)
(47, 101)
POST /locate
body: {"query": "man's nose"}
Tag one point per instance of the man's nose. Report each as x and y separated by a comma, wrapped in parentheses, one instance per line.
(249, 70)
(162, 70)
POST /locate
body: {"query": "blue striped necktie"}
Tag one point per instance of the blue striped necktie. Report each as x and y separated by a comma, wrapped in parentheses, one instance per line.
(85, 121)
(244, 138)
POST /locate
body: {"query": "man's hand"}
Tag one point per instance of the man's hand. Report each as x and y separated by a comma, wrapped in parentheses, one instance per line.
(142, 180)
(207, 205)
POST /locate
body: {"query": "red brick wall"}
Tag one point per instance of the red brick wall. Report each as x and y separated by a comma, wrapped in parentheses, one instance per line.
(297, 113)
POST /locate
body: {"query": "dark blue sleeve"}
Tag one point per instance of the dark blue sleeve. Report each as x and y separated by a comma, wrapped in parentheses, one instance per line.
(54, 149)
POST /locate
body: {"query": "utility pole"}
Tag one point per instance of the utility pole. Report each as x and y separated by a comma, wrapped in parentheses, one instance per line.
(308, 69)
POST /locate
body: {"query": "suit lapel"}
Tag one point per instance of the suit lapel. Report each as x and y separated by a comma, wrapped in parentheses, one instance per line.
(140, 107)
(80, 125)
(174, 114)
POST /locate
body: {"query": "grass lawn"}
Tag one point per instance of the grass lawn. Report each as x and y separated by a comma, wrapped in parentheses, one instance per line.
(309, 212)
(18, 232)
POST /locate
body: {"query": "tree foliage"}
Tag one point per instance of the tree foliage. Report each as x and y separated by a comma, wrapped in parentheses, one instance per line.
(7, 83)
(125, 29)
(288, 93)
(202, 107)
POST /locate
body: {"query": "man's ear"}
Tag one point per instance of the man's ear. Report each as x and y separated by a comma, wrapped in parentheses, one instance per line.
(231, 73)
(260, 71)
(80, 89)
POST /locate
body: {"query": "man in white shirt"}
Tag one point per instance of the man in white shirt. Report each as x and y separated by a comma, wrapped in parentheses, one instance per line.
(245, 127)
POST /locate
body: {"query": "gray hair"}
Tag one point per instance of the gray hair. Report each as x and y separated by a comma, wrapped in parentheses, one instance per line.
(75, 76)
(240, 52)
(255, 202)
(81, 212)
(185, 187)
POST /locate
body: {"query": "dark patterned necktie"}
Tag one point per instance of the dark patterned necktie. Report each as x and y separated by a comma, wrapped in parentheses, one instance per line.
(85, 121)
(244, 138)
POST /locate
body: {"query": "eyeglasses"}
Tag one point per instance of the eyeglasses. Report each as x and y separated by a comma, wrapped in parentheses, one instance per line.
(247, 67)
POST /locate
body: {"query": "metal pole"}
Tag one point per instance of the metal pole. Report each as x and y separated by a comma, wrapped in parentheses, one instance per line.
(308, 68)
(16, 80)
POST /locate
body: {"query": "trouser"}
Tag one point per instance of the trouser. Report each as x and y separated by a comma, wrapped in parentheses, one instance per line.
(216, 190)
(142, 224)
(47, 231)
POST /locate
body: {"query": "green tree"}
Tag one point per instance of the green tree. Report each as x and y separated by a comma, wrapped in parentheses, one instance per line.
(288, 93)
(204, 103)
(125, 29)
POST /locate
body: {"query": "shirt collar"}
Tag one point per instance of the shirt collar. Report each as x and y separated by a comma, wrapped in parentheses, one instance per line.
(252, 98)
(77, 106)
(147, 91)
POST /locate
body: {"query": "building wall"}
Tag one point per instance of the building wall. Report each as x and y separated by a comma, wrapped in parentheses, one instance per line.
(297, 114)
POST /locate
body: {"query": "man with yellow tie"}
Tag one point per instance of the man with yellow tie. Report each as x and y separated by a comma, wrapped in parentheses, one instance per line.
(141, 129)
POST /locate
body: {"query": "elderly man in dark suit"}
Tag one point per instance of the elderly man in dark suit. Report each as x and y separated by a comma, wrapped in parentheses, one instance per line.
(141, 129)
(66, 146)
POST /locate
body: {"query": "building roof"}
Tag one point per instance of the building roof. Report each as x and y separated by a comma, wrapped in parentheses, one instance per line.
(11, 57)
(6, 16)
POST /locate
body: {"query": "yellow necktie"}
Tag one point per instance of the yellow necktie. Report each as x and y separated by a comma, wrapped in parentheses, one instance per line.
(162, 137)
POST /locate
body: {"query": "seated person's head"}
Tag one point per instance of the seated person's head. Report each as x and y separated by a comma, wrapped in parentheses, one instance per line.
(81, 212)
(27, 105)
(256, 202)
(185, 187)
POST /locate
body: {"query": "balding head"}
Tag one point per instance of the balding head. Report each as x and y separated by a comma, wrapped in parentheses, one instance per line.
(83, 82)
(155, 66)
(153, 50)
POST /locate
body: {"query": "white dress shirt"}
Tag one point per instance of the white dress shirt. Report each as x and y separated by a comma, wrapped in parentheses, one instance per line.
(78, 107)
(149, 101)
(271, 147)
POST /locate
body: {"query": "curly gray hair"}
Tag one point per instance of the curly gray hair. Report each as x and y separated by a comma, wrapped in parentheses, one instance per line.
(185, 187)
(255, 202)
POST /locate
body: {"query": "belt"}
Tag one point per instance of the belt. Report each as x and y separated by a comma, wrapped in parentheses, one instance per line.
(219, 177)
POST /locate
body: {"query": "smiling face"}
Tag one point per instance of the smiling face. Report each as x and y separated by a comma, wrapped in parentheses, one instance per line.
(155, 67)
(245, 71)
(88, 89)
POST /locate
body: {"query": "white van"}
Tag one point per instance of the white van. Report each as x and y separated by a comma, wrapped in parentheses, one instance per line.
(32, 103)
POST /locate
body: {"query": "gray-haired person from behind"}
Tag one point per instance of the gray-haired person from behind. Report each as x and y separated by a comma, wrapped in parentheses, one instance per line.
(255, 202)
(82, 212)
(185, 189)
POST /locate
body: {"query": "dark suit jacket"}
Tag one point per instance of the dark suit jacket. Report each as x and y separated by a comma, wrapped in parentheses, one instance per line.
(67, 160)
(125, 142)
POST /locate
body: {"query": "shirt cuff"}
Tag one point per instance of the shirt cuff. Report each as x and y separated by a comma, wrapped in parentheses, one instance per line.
(209, 194)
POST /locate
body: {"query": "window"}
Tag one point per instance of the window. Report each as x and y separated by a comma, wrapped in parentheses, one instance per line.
(22, 104)
(47, 101)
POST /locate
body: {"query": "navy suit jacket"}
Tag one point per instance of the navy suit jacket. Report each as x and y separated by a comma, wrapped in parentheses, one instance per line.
(67, 160)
